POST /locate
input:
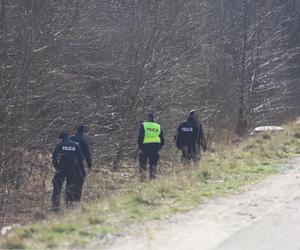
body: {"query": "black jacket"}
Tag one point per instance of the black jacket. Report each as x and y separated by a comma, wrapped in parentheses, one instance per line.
(79, 139)
(67, 157)
(142, 135)
(189, 133)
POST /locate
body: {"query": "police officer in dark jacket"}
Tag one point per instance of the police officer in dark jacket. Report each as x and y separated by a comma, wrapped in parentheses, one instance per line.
(190, 137)
(68, 162)
(150, 141)
(80, 140)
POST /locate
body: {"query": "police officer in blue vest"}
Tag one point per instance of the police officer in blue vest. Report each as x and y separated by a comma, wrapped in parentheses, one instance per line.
(67, 160)
(150, 141)
(190, 138)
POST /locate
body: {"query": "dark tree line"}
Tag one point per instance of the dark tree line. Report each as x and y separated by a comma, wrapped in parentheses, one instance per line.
(105, 63)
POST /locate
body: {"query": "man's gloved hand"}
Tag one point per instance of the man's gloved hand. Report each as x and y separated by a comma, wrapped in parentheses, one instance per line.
(55, 165)
(89, 170)
(203, 146)
(141, 151)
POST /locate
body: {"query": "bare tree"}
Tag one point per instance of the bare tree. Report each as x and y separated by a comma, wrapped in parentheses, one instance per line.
(105, 63)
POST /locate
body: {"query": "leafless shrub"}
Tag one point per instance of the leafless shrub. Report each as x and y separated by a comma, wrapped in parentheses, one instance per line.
(105, 63)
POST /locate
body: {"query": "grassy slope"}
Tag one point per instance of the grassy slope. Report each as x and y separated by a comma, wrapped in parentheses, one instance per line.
(220, 174)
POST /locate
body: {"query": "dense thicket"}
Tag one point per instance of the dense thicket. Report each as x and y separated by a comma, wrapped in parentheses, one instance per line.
(106, 62)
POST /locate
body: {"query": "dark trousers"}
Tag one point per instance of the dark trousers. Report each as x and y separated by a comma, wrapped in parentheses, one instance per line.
(74, 184)
(150, 153)
(190, 152)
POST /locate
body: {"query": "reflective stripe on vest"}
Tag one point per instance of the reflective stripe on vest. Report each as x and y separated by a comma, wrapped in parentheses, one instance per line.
(152, 132)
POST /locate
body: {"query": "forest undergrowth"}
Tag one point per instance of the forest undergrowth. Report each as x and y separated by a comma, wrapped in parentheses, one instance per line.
(223, 171)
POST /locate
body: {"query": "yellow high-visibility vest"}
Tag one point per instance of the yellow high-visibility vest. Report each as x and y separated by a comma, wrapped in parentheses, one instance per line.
(152, 132)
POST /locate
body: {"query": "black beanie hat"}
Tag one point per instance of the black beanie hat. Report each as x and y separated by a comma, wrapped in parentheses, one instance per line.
(80, 129)
(63, 134)
(192, 112)
(150, 115)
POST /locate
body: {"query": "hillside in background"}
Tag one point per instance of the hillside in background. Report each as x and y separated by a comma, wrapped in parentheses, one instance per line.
(105, 63)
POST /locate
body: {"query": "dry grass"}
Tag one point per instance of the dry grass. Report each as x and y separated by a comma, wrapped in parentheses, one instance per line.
(122, 200)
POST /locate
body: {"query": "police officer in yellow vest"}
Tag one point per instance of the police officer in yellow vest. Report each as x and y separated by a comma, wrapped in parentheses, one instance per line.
(150, 141)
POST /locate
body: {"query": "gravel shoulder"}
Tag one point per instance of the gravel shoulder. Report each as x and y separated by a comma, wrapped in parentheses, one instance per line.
(264, 217)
